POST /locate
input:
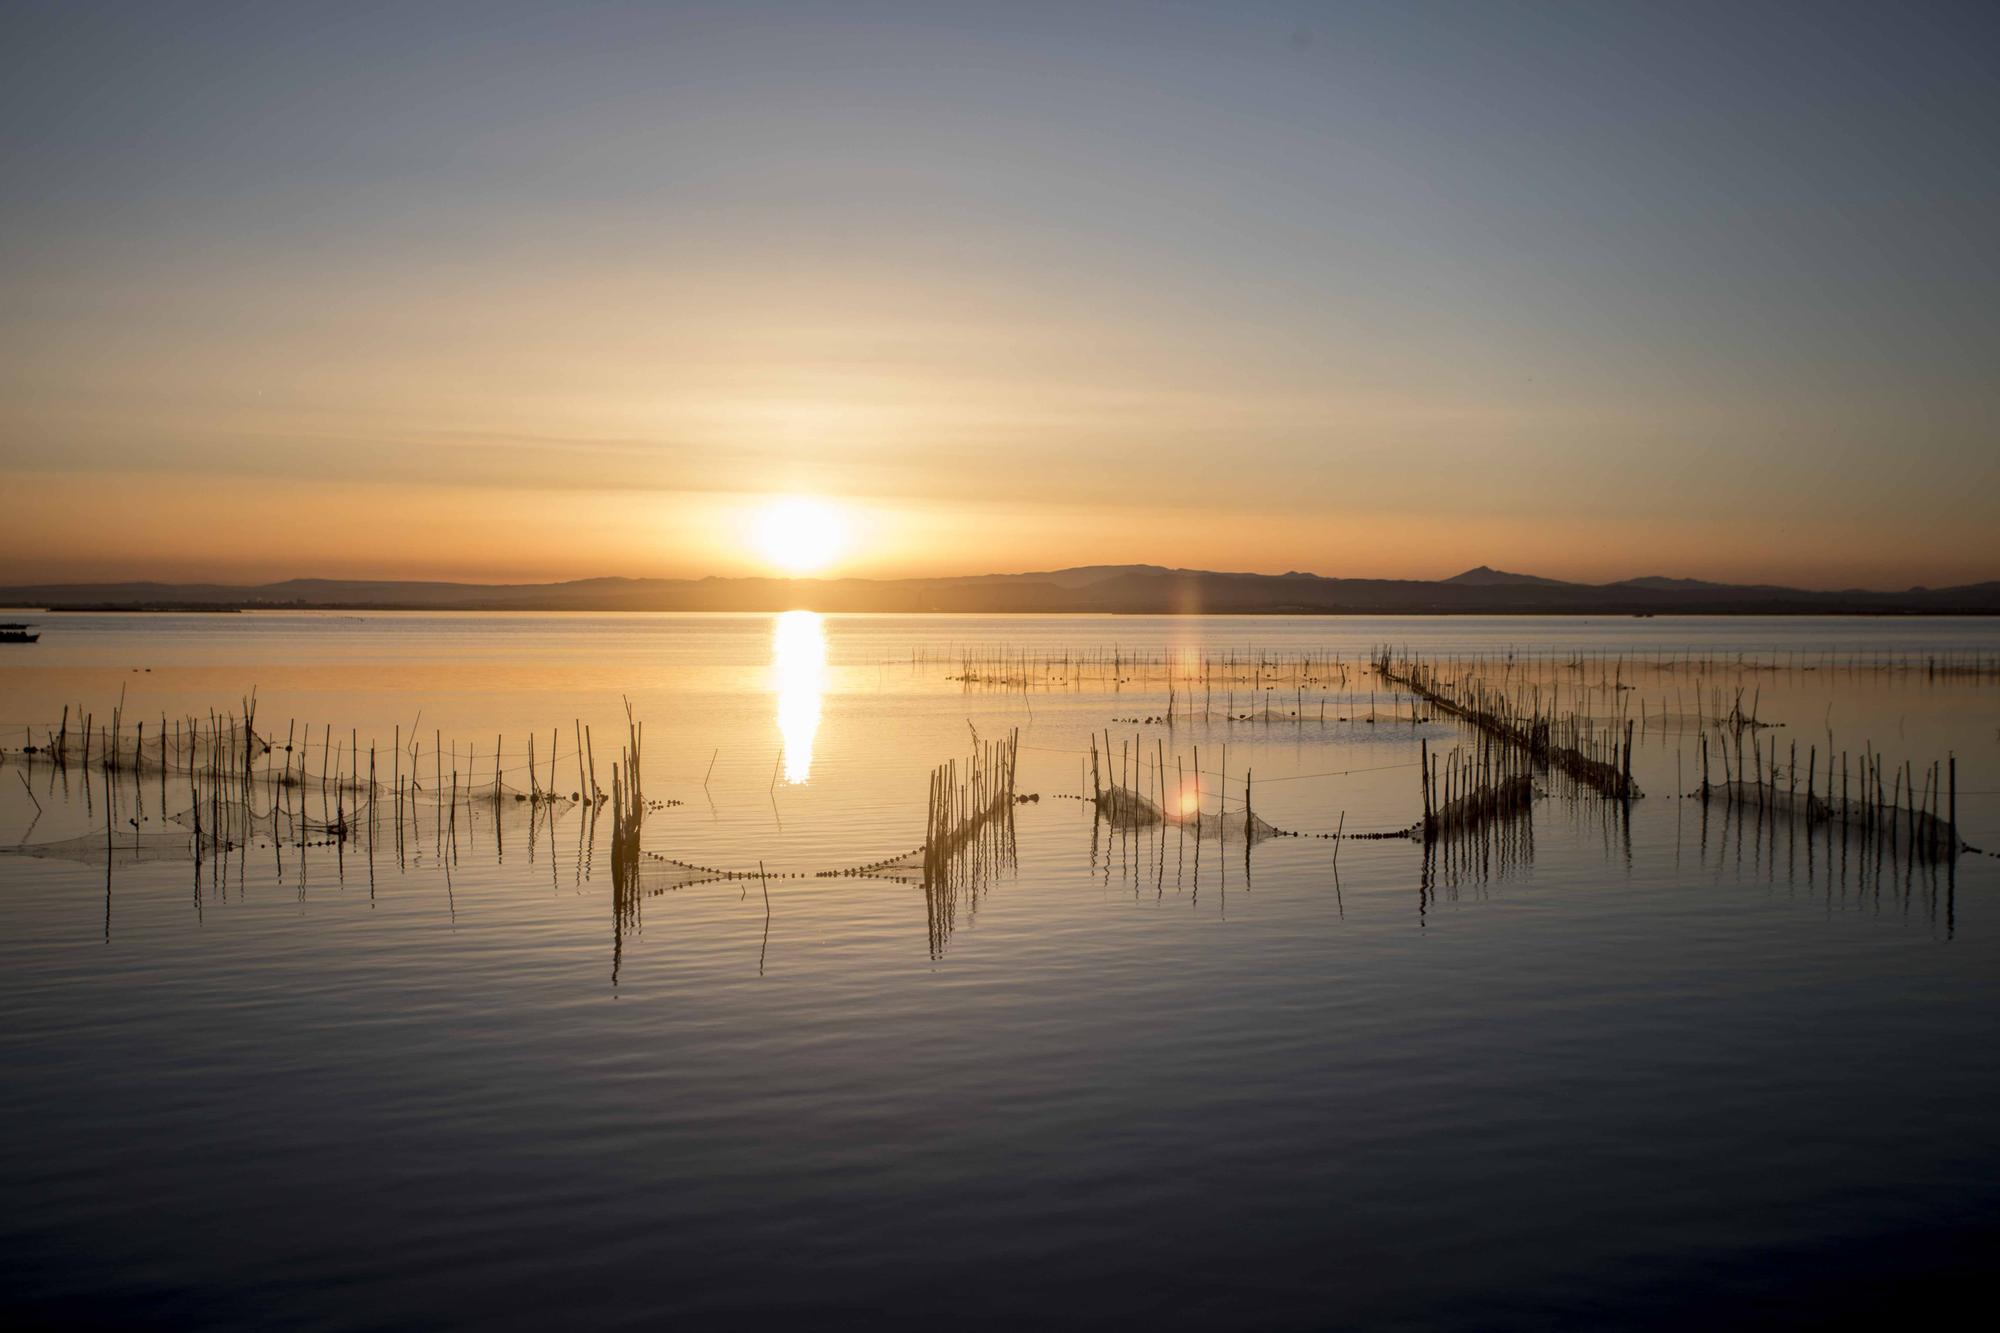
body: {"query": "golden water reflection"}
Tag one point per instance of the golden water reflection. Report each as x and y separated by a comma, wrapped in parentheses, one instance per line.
(798, 668)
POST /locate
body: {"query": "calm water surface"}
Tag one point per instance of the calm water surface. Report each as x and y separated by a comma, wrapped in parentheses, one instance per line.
(1639, 1067)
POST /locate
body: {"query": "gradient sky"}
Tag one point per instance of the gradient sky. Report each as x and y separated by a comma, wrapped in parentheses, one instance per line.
(507, 291)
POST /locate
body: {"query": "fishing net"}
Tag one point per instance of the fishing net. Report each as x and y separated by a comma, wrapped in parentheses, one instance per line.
(1493, 801)
(1124, 808)
(492, 791)
(124, 849)
(149, 747)
(655, 873)
(1918, 829)
(293, 818)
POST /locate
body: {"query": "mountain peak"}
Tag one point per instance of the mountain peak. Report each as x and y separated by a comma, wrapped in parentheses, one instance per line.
(1485, 576)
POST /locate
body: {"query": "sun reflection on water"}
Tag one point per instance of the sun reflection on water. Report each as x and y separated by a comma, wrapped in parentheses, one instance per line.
(798, 667)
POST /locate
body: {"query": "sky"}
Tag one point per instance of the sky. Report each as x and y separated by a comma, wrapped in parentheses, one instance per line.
(526, 292)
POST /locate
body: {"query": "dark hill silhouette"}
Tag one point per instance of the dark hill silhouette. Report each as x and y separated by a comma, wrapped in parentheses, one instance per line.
(1480, 576)
(1107, 589)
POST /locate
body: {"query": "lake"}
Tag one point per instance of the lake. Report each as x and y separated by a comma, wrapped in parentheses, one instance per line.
(394, 1057)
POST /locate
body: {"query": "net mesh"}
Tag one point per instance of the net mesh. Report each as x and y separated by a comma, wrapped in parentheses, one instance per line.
(1920, 829)
(1124, 808)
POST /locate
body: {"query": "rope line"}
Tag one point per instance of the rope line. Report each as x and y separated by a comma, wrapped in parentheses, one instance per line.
(1293, 777)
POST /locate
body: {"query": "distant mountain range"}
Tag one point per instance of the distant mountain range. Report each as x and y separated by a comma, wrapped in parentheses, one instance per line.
(1102, 589)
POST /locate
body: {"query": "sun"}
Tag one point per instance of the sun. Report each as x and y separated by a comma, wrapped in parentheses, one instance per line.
(800, 534)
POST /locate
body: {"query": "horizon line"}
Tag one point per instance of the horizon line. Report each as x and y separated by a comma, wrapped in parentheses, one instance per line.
(1500, 577)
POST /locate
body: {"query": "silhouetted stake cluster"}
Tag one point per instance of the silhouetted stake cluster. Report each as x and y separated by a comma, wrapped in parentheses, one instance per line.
(1465, 792)
(1847, 866)
(1475, 852)
(1912, 809)
(628, 805)
(962, 800)
(1569, 743)
(1173, 820)
(245, 787)
(968, 832)
(957, 881)
(1119, 783)
(1113, 667)
(1191, 682)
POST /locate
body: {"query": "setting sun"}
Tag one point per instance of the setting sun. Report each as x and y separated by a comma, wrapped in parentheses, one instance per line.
(878, 553)
(800, 535)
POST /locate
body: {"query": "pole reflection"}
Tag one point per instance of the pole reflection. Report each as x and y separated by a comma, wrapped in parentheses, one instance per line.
(798, 669)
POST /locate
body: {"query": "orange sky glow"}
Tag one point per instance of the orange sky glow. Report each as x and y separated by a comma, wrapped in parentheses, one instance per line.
(431, 304)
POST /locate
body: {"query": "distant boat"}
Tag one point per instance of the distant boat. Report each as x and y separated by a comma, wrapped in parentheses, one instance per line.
(16, 634)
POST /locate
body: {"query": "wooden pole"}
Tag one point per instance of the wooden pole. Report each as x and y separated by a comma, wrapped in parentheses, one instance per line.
(1424, 776)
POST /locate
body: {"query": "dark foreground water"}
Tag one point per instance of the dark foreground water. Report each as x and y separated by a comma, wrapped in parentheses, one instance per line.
(1645, 1067)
